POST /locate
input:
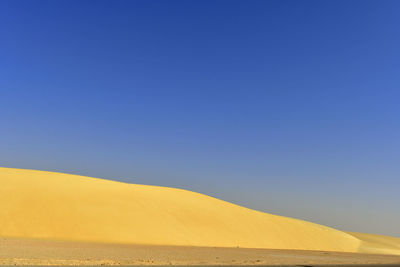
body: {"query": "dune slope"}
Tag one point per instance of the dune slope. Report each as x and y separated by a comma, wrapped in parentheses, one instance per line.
(46, 205)
(378, 244)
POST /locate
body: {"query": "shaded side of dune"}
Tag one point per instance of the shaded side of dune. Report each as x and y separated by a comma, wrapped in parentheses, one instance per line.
(377, 244)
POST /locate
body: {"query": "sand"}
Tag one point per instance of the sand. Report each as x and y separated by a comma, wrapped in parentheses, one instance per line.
(54, 206)
(45, 252)
(378, 244)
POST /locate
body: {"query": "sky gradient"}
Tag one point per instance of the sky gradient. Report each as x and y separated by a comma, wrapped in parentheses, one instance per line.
(289, 107)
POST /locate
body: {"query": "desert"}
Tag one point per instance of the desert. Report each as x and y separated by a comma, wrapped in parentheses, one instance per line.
(200, 133)
(83, 220)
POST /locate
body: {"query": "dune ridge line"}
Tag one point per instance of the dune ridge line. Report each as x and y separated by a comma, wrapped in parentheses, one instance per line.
(49, 205)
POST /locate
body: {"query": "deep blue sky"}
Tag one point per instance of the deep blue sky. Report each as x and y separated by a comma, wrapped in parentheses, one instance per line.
(290, 107)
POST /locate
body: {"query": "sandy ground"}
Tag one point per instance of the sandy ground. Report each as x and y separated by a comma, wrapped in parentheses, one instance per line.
(48, 205)
(179, 227)
(39, 252)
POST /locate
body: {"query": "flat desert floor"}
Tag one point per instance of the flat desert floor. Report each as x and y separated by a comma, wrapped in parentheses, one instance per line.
(15, 251)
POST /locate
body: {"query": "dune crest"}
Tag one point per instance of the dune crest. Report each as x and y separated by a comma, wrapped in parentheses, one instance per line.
(47, 205)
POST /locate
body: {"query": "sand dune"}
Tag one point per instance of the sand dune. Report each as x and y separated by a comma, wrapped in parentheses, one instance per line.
(46, 205)
(378, 244)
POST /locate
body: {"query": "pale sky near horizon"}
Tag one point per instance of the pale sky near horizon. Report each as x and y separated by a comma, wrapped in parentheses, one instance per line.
(289, 107)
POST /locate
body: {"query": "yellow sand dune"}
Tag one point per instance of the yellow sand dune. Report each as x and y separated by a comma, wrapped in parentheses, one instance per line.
(378, 244)
(46, 205)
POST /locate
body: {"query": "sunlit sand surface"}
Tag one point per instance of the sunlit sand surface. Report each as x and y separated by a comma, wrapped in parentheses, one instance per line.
(45, 252)
(51, 207)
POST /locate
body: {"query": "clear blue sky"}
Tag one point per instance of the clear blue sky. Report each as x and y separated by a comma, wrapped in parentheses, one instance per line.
(290, 107)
